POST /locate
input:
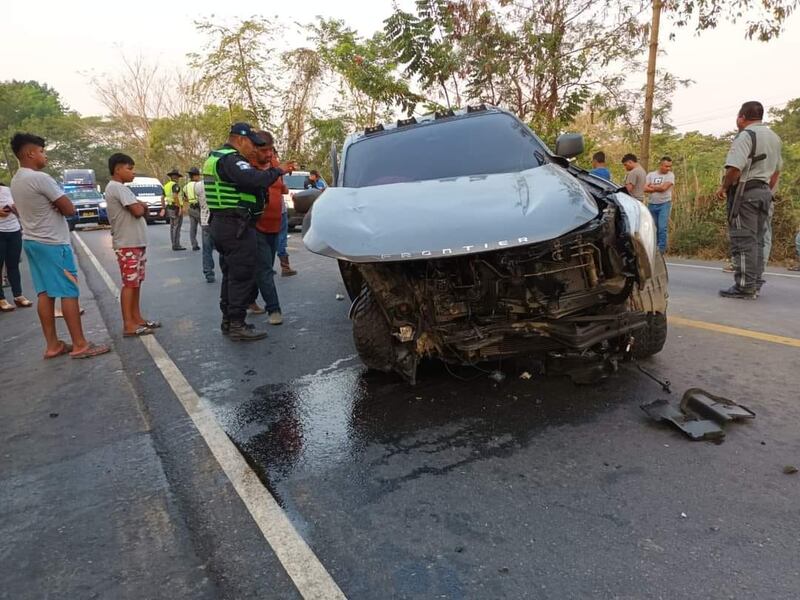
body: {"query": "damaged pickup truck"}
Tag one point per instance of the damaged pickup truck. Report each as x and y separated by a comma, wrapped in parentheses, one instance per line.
(462, 237)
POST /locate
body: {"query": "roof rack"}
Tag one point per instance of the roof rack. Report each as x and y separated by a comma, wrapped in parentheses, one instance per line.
(443, 114)
(479, 108)
(404, 122)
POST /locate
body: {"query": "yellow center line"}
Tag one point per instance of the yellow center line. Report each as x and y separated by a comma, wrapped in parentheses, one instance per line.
(756, 335)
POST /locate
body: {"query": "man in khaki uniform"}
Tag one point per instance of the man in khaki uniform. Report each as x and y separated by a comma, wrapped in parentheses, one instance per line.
(752, 168)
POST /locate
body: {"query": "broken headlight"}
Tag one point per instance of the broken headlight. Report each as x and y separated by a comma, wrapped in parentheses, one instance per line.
(641, 229)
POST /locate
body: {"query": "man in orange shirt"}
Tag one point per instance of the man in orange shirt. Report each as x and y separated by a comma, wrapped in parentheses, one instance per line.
(267, 230)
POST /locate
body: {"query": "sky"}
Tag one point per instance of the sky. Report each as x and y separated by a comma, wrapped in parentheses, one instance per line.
(64, 43)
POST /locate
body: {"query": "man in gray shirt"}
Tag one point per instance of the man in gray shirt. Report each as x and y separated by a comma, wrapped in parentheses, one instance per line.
(635, 177)
(659, 185)
(42, 206)
(752, 169)
(129, 240)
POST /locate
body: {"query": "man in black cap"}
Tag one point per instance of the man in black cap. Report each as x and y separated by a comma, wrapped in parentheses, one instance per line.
(174, 209)
(190, 194)
(235, 193)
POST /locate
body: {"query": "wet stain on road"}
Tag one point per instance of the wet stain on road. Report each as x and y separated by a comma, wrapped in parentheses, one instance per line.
(348, 416)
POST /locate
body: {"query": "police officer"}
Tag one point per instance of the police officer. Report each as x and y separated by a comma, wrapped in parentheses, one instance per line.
(190, 193)
(235, 193)
(752, 168)
(174, 210)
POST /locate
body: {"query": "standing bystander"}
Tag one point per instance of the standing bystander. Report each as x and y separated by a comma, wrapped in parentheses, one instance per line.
(129, 240)
(174, 208)
(659, 184)
(42, 206)
(283, 238)
(267, 231)
(752, 169)
(635, 177)
(599, 167)
(10, 251)
(208, 243)
(190, 193)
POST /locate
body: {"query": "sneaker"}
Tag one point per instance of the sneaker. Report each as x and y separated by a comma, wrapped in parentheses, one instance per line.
(275, 317)
(178, 248)
(736, 292)
(240, 332)
(256, 309)
(729, 268)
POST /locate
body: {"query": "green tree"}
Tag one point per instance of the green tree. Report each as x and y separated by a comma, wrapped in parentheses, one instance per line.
(235, 66)
(365, 71)
(24, 106)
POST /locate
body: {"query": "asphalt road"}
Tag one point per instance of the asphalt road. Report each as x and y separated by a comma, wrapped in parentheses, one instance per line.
(461, 487)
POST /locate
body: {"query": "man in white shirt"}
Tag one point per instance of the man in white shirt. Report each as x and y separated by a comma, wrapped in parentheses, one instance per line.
(42, 206)
(659, 184)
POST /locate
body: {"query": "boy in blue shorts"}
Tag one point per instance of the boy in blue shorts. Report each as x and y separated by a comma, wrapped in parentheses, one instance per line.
(42, 207)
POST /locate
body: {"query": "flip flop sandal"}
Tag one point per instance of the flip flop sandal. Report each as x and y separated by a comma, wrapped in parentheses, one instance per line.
(91, 351)
(22, 302)
(65, 349)
(151, 324)
(61, 315)
(6, 307)
(139, 332)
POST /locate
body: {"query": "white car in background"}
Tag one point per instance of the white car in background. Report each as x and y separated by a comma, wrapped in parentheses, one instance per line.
(149, 190)
(295, 182)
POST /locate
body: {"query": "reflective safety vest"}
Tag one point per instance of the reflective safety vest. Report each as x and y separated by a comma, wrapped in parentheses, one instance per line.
(190, 192)
(170, 191)
(221, 194)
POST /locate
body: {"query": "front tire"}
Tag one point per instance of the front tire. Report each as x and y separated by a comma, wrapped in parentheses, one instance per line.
(650, 339)
(371, 333)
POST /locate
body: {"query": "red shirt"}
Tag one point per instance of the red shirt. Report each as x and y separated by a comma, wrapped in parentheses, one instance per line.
(270, 220)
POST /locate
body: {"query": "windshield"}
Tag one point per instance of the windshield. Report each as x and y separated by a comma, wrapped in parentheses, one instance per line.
(83, 195)
(147, 190)
(482, 144)
(294, 182)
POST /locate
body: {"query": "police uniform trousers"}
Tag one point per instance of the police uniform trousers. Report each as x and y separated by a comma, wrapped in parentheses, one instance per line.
(747, 231)
(194, 223)
(234, 237)
(175, 224)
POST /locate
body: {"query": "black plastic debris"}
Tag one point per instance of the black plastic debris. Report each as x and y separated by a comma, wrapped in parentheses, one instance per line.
(700, 414)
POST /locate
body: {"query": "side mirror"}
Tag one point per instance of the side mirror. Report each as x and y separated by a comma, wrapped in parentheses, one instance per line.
(334, 165)
(569, 145)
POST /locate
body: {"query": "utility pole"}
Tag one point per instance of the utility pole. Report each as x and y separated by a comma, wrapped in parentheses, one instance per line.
(651, 84)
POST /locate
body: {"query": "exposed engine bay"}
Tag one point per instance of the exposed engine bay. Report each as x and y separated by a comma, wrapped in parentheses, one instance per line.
(578, 293)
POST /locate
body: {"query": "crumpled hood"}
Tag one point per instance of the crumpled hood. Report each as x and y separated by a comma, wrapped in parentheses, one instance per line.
(448, 217)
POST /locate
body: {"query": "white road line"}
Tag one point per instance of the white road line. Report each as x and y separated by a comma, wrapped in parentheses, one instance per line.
(309, 576)
(720, 269)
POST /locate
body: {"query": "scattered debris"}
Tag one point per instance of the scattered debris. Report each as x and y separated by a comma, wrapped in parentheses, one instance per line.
(250, 372)
(339, 297)
(683, 515)
(53, 415)
(497, 376)
(526, 376)
(665, 384)
(789, 470)
(700, 414)
(503, 570)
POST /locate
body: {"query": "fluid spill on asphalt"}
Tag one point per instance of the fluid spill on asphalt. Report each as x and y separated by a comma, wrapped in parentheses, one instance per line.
(345, 417)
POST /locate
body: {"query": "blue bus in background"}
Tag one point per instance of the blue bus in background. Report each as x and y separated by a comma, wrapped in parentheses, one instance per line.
(80, 186)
